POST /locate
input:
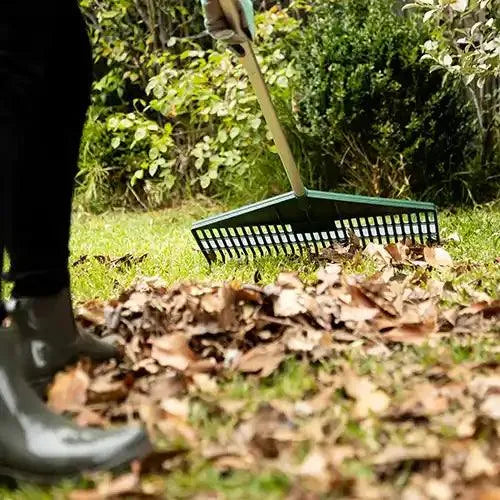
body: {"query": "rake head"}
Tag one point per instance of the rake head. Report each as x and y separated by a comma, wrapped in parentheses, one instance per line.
(287, 224)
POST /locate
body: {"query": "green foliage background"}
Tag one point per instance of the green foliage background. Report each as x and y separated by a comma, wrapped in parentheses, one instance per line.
(173, 115)
(382, 121)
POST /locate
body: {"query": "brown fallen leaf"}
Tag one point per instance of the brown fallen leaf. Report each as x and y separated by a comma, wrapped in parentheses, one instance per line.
(488, 309)
(398, 251)
(314, 472)
(438, 490)
(425, 400)
(416, 333)
(91, 312)
(328, 276)
(378, 253)
(490, 407)
(357, 313)
(263, 359)
(395, 453)
(126, 484)
(288, 303)
(68, 392)
(89, 418)
(205, 383)
(478, 464)
(488, 493)
(437, 257)
(289, 280)
(369, 399)
(174, 351)
(104, 389)
(176, 407)
(296, 339)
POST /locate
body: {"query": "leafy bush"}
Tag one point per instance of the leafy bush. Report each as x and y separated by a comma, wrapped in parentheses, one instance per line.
(383, 123)
(173, 114)
(179, 117)
(465, 45)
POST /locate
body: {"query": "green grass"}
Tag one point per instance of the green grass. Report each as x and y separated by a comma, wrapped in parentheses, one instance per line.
(171, 251)
(164, 236)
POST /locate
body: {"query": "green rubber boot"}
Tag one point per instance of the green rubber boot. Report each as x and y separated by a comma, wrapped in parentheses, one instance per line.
(37, 445)
(50, 339)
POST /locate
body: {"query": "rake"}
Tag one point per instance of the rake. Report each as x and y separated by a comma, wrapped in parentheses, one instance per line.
(305, 221)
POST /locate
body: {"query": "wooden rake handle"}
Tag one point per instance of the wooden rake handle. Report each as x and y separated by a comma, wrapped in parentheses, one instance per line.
(252, 67)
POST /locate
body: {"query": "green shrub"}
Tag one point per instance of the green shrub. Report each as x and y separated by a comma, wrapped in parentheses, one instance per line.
(383, 124)
(181, 119)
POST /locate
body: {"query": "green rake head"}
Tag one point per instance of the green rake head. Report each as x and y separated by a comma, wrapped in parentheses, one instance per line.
(304, 221)
(288, 224)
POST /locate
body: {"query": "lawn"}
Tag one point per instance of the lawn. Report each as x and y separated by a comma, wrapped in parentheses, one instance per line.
(371, 420)
(164, 239)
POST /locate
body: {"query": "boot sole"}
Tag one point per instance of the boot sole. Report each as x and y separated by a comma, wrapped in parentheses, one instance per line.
(117, 464)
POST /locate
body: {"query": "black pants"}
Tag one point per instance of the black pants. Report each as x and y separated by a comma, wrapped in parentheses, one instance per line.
(45, 77)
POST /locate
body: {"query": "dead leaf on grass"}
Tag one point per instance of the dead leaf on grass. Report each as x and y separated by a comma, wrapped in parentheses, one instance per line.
(425, 400)
(437, 257)
(288, 303)
(478, 464)
(263, 359)
(369, 399)
(173, 351)
(126, 484)
(398, 251)
(396, 453)
(68, 392)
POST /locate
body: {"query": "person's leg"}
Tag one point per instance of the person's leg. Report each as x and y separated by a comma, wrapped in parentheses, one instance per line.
(47, 123)
(21, 74)
(35, 444)
(42, 181)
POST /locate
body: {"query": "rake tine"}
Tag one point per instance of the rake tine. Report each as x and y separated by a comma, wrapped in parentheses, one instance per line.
(231, 232)
(298, 241)
(412, 229)
(256, 238)
(266, 236)
(394, 228)
(284, 241)
(229, 248)
(271, 235)
(386, 229)
(419, 227)
(249, 240)
(377, 229)
(194, 232)
(242, 245)
(344, 230)
(216, 242)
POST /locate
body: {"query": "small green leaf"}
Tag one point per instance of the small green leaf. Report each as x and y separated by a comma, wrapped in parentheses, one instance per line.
(140, 133)
(115, 142)
(125, 123)
(204, 181)
(282, 81)
(235, 131)
(255, 123)
(222, 136)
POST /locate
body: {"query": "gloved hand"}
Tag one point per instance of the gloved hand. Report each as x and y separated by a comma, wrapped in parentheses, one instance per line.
(220, 27)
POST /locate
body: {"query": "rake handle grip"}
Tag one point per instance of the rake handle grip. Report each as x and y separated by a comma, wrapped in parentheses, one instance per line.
(252, 67)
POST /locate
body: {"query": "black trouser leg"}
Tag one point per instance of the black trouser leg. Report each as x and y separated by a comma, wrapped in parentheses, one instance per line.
(45, 74)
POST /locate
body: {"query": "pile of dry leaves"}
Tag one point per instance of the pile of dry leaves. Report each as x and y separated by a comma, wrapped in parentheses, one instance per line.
(417, 427)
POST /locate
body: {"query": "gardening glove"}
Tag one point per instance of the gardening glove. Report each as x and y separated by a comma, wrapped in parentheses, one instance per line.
(222, 28)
